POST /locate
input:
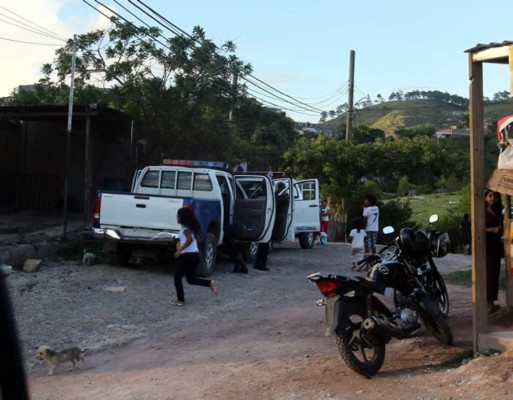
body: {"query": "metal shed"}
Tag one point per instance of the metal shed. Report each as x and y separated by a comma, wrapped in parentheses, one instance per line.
(34, 165)
(498, 53)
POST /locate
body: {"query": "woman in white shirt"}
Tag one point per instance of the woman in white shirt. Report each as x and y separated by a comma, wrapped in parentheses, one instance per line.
(187, 254)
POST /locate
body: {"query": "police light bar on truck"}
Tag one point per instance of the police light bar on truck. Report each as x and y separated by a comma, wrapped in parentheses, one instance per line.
(198, 164)
(270, 174)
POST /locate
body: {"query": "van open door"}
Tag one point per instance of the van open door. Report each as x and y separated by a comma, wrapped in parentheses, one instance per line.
(254, 208)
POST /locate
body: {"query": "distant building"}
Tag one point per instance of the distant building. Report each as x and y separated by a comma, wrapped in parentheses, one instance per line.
(451, 132)
(24, 88)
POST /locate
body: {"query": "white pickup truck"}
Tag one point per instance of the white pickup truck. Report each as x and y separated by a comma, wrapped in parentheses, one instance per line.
(146, 217)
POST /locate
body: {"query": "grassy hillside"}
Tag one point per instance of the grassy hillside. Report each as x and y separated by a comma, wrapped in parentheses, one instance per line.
(426, 205)
(392, 115)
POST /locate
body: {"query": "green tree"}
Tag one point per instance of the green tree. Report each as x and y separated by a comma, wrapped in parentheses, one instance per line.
(179, 91)
(346, 169)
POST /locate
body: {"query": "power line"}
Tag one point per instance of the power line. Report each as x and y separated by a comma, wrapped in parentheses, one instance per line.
(42, 30)
(38, 44)
(174, 29)
(252, 76)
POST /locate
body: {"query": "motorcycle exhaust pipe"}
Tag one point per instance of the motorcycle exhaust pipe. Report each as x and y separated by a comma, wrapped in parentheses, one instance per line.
(382, 328)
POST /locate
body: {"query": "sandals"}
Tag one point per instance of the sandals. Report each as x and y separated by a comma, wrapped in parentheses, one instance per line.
(214, 287)
(177, 303)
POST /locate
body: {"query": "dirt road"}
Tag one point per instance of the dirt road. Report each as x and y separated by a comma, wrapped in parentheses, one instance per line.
(260, 338)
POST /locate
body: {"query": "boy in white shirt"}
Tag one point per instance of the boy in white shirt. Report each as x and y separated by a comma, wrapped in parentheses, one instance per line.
(371, 216)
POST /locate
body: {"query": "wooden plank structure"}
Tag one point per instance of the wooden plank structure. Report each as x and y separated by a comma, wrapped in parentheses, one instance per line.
(501, 181)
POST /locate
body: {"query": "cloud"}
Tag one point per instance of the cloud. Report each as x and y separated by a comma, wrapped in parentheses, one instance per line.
(25, 48)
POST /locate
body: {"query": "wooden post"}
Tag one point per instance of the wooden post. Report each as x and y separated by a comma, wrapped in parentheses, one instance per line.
(508, 234)
(478, 207)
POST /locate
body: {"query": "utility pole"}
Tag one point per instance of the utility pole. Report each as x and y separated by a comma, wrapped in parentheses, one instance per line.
(349, 113)
(234, 95)
(68, 140)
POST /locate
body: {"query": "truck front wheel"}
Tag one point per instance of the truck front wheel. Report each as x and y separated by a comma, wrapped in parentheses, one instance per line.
(249, 251)
(208, 256)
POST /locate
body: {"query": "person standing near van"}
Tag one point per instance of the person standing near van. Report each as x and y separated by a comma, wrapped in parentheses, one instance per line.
(371, 217)
(325, 219)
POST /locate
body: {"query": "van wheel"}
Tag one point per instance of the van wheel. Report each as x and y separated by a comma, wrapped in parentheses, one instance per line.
(306, 240)
(208, 256)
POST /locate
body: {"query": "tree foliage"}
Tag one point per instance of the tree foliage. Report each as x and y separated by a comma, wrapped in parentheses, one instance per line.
(179, 91)
(350, 170)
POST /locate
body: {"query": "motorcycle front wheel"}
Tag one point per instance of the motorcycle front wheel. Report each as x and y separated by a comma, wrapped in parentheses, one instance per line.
(439, 293)
(434, 320)
(363, 352)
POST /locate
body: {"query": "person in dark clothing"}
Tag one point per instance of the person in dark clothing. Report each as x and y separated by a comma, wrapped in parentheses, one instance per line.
(465, 234)
(282, 201)
(261, 256)
(493, 229)
(234, 250)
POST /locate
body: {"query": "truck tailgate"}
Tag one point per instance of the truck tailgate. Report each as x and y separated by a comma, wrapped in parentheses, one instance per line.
(134, 210)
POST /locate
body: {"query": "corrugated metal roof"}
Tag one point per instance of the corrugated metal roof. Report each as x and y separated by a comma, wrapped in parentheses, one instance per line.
(480, 46)
(59, 112)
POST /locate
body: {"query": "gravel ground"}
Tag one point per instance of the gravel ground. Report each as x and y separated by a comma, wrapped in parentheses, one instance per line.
(261, 337)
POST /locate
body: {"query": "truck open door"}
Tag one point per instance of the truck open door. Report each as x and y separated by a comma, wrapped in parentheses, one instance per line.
(254, 208)
(284, 206)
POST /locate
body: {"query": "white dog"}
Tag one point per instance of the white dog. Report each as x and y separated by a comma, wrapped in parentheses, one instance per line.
(88, 258)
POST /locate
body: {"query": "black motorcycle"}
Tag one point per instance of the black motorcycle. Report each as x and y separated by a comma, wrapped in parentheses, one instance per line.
(364, 313)
(424, 265)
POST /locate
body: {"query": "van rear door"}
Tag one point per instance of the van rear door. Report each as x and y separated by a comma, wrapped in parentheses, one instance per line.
(307, 211)
(254, 208)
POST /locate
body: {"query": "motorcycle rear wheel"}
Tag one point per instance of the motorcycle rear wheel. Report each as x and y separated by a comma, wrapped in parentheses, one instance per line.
(363, 352)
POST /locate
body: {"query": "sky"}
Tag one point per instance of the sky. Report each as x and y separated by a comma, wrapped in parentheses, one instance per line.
(300, 47)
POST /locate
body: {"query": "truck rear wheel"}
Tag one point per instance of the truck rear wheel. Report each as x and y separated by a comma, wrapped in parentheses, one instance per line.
(208, 256)
(306, 240)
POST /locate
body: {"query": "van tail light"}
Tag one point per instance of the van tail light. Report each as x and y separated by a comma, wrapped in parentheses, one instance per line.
(96, 210)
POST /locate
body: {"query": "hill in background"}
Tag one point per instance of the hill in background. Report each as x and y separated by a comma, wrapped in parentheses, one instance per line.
(390, 116)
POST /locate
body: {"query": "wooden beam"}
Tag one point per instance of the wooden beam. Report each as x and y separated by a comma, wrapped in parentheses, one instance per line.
(493, 54)
(477, 180)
